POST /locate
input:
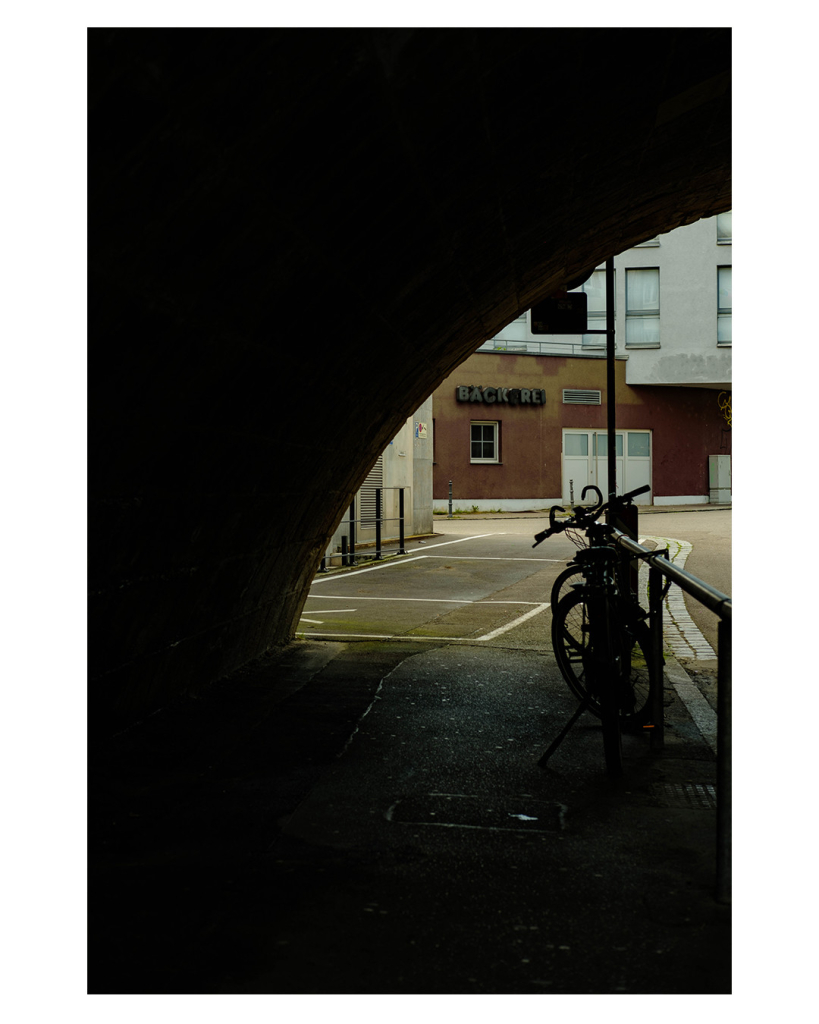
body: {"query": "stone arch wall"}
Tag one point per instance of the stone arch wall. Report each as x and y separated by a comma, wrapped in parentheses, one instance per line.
(294, 236)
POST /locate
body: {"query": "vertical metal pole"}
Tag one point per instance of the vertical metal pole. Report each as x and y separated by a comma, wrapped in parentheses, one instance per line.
(655, 620)
(352, 532)
(401, 549)
(323, 566)
(610, 396)
(345, 560)
(450, 500)
(724, 761)
(377, 523)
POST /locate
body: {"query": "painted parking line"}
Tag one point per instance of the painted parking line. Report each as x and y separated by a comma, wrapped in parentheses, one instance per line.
(491, 558)
(425, 600)
(449, 639)
(325, 611)
(515, 622)
(405, 561)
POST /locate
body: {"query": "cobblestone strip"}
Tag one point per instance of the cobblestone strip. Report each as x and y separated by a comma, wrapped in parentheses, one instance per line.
(679, 631)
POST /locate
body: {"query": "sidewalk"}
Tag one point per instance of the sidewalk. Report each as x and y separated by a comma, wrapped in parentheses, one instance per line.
(370, 818)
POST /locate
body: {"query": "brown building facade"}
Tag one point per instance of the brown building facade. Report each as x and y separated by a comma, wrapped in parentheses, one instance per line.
(517, 431)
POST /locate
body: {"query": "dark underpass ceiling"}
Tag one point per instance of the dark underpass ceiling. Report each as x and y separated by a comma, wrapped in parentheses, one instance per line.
(295, 235)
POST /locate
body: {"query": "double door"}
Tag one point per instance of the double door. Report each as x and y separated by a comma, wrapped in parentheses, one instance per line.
(585, 461)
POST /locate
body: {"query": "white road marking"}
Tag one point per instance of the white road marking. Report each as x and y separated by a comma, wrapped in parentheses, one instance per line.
(335, 611)
(515, 622)
(392, 636)
(373, 568)
(461, 540)
(404, 561)
(429, 600)
(482, 558)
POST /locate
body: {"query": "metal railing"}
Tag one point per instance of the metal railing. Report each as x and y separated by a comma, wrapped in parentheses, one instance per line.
(348, 541)
(559, 345)
(720, 604)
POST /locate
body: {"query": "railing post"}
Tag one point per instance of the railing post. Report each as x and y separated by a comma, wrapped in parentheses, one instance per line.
(401, 550)
(724, 761)
(450, 500)
(323, 566)
(345, 560)
(655, 621)
(377, 523)
(352, 532)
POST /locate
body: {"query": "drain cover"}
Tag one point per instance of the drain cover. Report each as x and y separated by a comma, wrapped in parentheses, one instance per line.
(686, 794)
(458, 810)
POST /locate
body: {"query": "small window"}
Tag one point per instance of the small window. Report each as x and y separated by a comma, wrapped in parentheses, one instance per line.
(601, 445)
(639, 444)
(724, 307)
(649, 241)
(483, 442)
(576, 444)
(643, 307)
(724, 228)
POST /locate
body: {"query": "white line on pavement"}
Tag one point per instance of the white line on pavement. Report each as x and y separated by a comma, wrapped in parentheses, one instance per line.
(482, 558)
(429, 600)
(515, 622)
(373, 568)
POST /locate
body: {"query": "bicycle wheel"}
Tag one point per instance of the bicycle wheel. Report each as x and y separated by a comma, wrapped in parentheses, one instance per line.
(562, 586)
(572, 648)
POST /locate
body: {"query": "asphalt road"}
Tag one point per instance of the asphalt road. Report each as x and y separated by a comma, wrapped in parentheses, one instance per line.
(364, 812)
(480, 579)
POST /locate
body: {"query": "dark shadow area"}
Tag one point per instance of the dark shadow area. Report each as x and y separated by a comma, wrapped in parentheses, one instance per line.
(295, 236)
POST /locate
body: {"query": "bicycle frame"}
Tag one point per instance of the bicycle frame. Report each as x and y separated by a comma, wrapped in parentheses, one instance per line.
(609, 631)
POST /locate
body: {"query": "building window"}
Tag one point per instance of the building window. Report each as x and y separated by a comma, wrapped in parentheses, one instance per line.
(595, 288)
(724, 228)
(643, 308)
(484, 441)
(649, 241)
(724, 305)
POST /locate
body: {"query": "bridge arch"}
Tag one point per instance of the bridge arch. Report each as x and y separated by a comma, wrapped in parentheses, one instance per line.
(294, 237)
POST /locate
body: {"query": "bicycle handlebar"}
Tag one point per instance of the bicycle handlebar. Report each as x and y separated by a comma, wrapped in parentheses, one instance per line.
(586, 516)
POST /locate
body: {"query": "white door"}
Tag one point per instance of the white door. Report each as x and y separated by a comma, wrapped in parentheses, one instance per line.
(576, 465)
(585, 461)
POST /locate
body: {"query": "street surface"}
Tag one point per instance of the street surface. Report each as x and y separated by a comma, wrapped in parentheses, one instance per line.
(363, 812)
(480, 580)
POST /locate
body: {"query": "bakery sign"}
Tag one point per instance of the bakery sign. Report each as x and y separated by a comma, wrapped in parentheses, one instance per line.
(510, 396)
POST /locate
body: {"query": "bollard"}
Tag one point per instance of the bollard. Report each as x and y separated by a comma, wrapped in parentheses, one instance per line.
(345, 560)
(377, 524)
(401, 548)
(450, 500)
(352, 532)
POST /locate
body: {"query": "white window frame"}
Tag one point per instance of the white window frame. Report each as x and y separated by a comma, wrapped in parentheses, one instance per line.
(724, 312)
(723, 238)
(633, 315)
(495, 424)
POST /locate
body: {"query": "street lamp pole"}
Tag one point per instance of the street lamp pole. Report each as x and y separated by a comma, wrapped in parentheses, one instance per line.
(610, 396)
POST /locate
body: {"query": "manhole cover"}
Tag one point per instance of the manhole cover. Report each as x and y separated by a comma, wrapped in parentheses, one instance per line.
(686, 794)
(458, 810)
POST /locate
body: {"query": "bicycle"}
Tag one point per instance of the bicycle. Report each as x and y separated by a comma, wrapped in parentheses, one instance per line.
(600, 636)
